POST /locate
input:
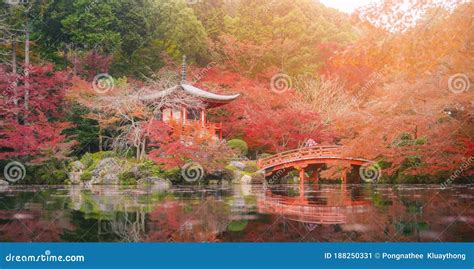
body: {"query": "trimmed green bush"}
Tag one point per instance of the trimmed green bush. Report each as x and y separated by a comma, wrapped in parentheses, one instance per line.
(250, 166)
(238, 144)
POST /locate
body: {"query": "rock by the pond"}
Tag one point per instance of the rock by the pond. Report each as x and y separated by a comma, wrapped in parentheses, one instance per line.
(106, 172)
(77, 166)
(76, 170)
(74, 177)
(155, 181)
(246, 179)
(3, 182)
(139, 172)
(238, 165)
(257, 178)
(237, 174)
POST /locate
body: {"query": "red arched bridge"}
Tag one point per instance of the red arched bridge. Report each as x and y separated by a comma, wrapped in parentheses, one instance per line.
(311, 160)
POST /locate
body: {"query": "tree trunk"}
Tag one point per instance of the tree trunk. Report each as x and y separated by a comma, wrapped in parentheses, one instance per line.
(100, 139)
(143, 149)
(137, 147)
(27, 67)
(15, 73)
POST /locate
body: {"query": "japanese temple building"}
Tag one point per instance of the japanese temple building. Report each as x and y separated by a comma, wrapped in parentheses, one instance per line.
(186, 114)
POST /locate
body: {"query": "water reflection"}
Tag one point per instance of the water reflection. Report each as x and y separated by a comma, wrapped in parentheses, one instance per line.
(313, 207)
(237, 213)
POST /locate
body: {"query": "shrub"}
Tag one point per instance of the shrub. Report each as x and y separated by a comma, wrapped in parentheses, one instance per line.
(149, 168)
(251, 166)
(238, 144)
(173, 174)
(87, 160)
(264, 155)
(237, 225)
(127, 178)
(90, 161)
(49, 172)
(86, 176)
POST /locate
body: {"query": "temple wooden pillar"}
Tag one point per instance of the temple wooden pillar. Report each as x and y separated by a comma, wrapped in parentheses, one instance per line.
(182, 114)
(203, 118)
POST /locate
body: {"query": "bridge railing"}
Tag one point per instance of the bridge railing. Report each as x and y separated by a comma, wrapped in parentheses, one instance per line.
(300, 154)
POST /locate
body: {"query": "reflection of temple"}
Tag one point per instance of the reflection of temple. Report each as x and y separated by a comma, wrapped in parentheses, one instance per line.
(321, 208)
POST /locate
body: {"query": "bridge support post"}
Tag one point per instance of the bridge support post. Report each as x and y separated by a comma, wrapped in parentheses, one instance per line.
(302, 178)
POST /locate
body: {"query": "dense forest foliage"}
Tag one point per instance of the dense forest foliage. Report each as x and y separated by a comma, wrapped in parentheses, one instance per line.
(390, 82)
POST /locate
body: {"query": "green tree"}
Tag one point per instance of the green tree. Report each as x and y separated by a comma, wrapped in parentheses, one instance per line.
(178, 26)
(94, 25)
(290, 32)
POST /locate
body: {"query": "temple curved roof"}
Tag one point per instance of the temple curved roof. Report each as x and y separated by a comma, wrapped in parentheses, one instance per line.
(213, 99)
(190, 89)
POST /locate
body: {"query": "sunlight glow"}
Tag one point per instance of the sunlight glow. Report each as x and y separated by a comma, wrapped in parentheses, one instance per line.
(347, 6)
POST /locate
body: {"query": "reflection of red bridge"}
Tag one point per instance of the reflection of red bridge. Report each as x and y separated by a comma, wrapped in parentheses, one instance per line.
(299, 209)
(310, 159)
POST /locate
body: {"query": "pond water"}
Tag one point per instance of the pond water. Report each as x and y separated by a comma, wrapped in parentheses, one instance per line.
(243, 213)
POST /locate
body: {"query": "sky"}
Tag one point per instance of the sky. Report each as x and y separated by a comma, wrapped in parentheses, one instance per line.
(347, 6)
